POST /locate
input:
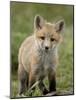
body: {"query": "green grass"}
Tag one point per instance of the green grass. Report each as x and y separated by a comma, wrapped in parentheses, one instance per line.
(22, 17)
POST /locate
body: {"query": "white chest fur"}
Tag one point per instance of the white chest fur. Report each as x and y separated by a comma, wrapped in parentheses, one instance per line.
(47, 63)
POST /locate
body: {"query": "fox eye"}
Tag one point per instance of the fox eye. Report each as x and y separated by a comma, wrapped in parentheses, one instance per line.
(42, 38)
(52, 39)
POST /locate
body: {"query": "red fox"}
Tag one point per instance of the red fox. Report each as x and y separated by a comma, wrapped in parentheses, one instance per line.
(38, 56)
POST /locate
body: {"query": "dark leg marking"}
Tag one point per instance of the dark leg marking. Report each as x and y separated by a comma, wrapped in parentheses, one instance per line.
(22, 77)
(52, 85)
(52, 82)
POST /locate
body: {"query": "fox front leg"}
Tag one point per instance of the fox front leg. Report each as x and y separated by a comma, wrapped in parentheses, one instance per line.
(22, 79)
(52, 82)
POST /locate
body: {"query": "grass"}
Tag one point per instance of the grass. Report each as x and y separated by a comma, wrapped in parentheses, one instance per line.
(22, 15)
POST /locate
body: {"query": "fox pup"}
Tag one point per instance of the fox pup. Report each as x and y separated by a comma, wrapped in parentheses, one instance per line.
(38, 55)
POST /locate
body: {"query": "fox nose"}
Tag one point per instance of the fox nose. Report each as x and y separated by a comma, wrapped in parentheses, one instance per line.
(46, 48)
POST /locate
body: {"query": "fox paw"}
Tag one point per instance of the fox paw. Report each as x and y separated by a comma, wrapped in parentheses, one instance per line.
(51, 93)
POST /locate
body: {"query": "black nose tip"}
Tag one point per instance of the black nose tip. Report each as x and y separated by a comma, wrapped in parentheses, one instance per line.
(46, 48)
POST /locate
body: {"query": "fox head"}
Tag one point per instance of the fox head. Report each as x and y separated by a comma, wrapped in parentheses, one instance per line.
(47, 35)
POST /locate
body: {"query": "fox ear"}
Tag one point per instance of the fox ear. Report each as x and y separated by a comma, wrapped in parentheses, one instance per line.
(38, 22)
(59, 26)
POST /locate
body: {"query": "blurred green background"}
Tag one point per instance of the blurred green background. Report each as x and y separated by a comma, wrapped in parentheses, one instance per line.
(22, 18)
